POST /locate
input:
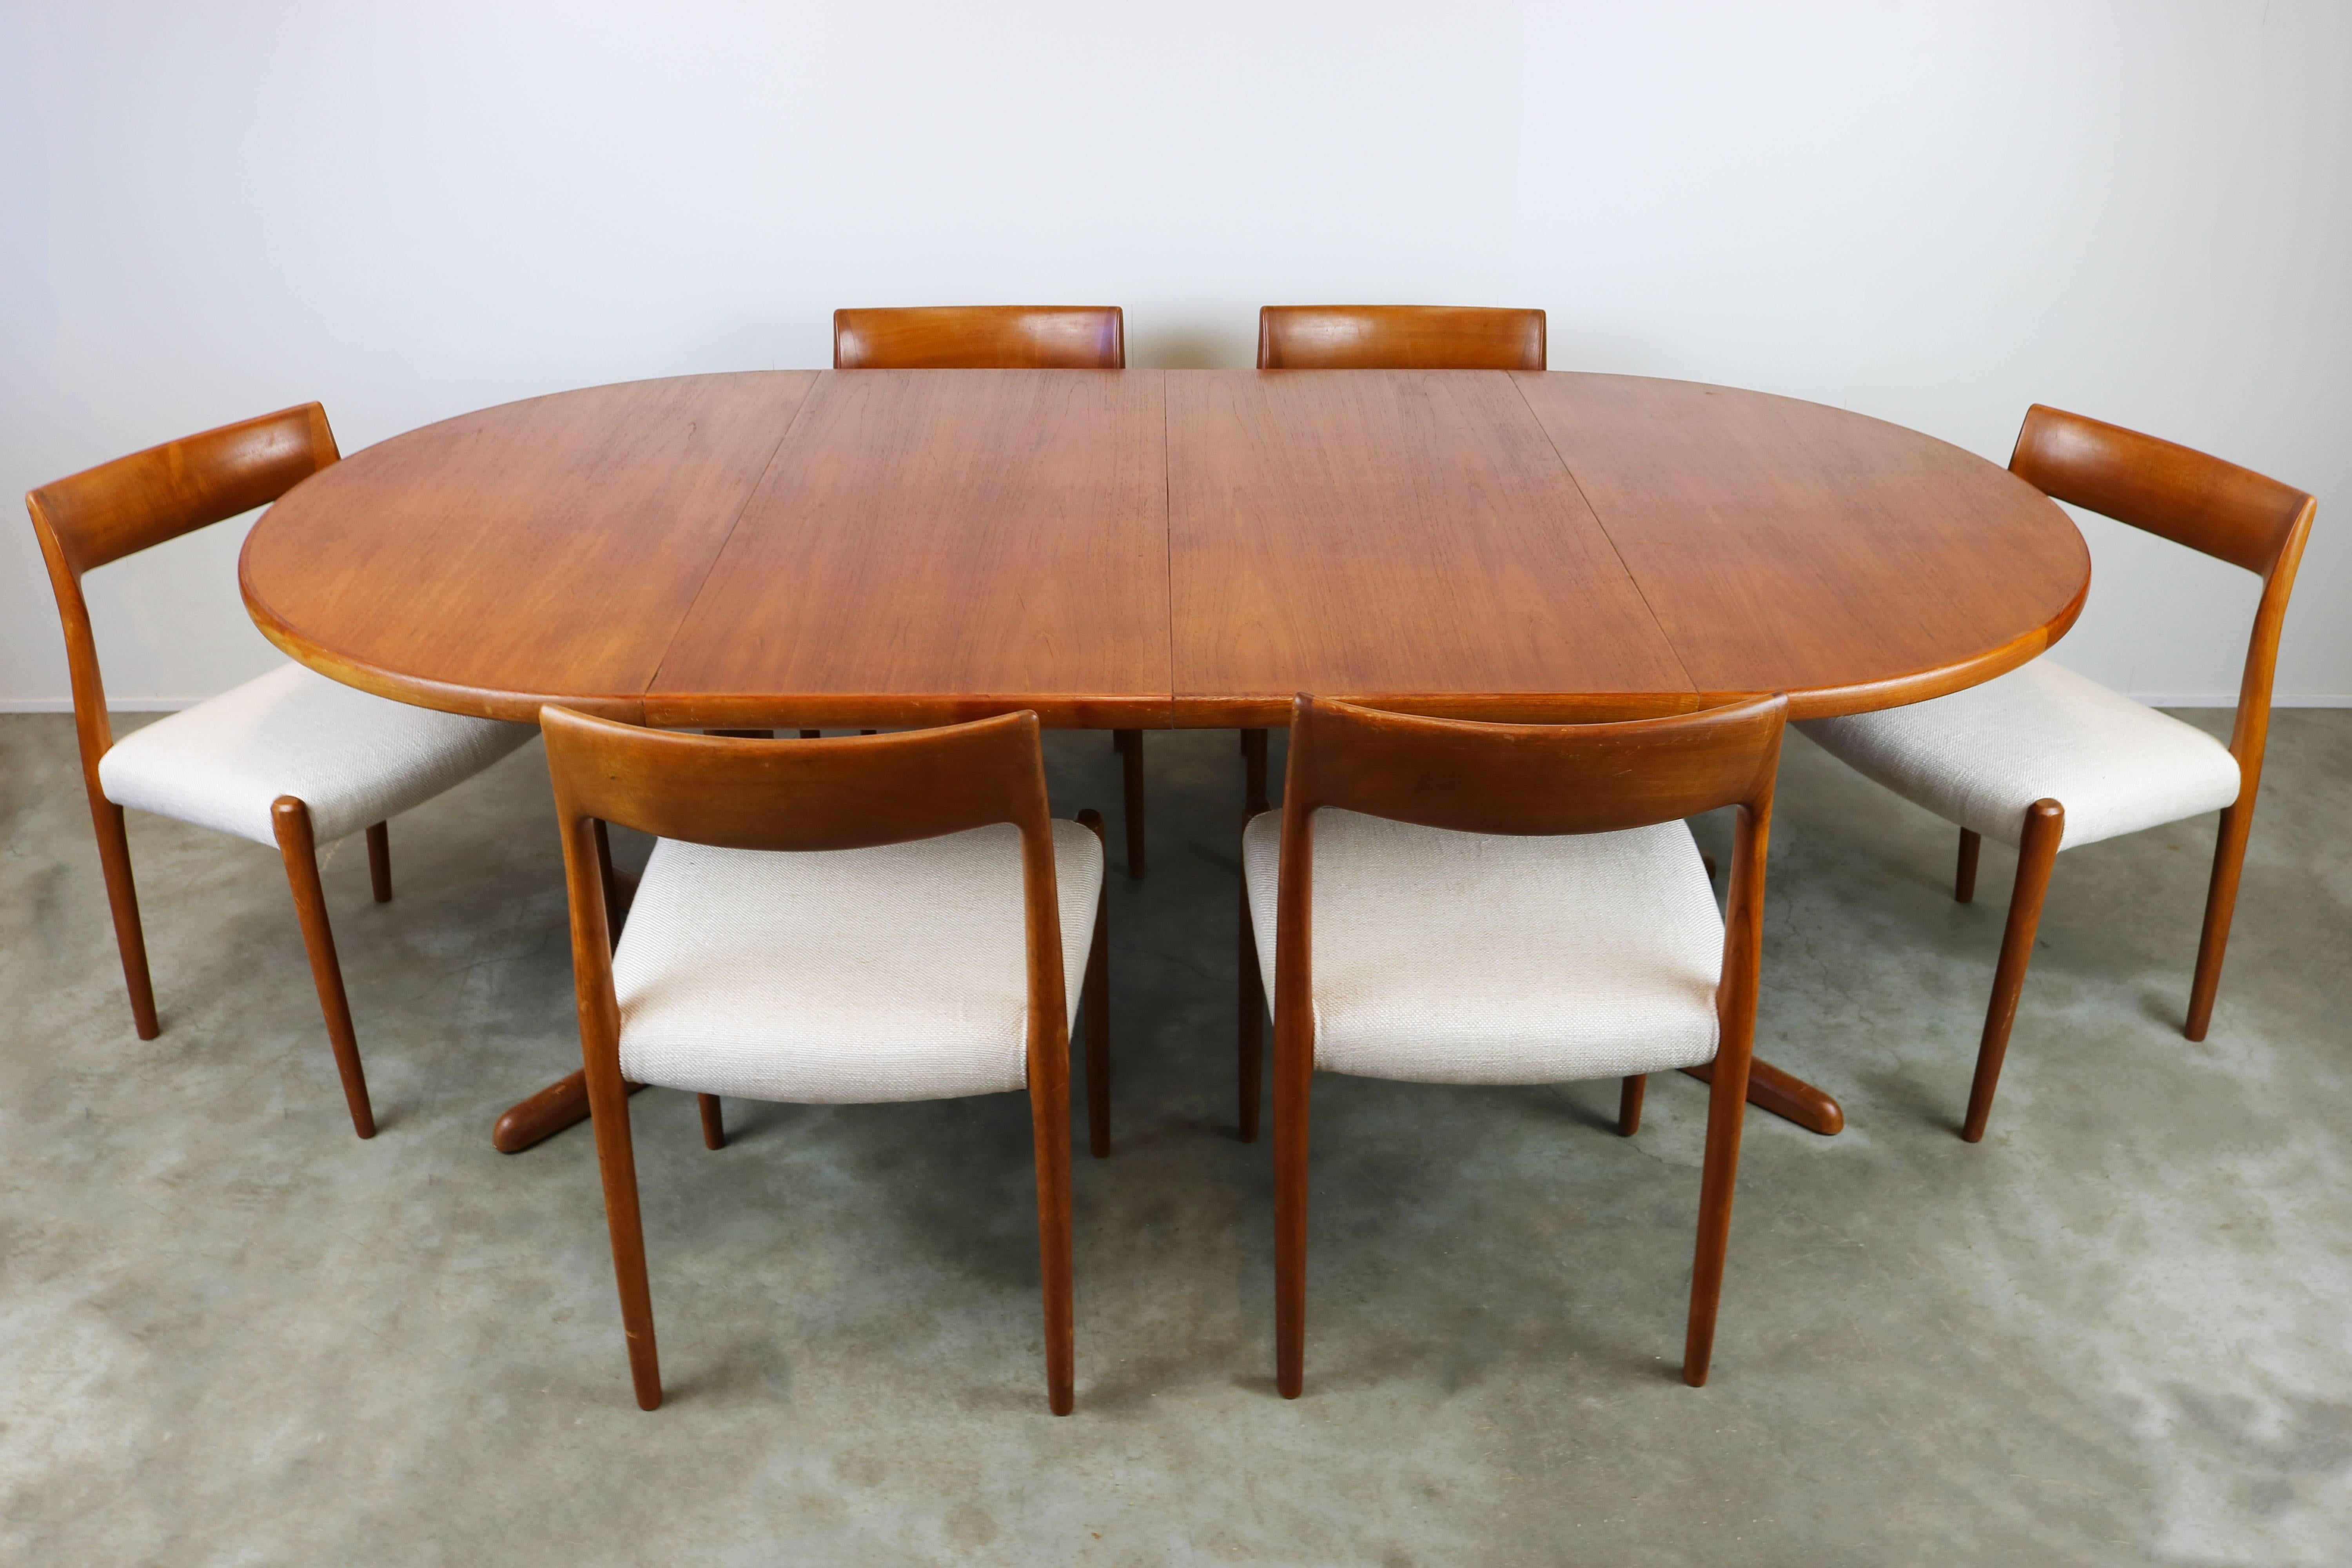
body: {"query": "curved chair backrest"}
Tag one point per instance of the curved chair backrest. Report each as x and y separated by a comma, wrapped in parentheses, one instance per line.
(846, 793)
(1531, 779)
(1398, 337)
(2216, 508)
(980, 337)
(121, 507)
(2219, 508)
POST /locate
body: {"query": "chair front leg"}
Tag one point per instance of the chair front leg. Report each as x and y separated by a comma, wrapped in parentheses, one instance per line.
(2220, 904)
(616, 1163)
(123, 900)
(291, 819)
(1727, 1107)
(1049, 1124)
(1294, 1073)
(714, 1121)
(2037, 851)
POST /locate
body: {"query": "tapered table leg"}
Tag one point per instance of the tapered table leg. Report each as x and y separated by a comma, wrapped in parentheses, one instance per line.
(1785, 1095)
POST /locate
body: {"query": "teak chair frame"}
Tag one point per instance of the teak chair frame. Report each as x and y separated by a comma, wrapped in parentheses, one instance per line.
(1520, 779)
(118, 509)
(853, 792)
(1399, 337)
(1001, 337)
(2217, 508)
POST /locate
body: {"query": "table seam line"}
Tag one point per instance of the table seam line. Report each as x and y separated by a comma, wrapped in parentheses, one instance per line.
(1603, 524)
(1168, 528)
(670, 646)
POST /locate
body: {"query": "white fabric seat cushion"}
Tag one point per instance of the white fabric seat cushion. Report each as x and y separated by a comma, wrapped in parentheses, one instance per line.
(1450, 957)
(1980, 757)
(840, 976)
(354, 758)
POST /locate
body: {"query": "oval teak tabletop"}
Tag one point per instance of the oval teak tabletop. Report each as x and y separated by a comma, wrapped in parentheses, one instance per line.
(1151, 548)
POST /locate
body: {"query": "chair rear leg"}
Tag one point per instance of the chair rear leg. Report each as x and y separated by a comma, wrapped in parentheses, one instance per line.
(1130, 749)
(122, 899)
(2220, 904)
(379, 843)
(1629, 1104)
(714, 1124)
(1252, 1063)
(1964, 879)
(2037, 851)
(1096, 1003)
(616, 906)
(616, 1163)
(1727, 1106)
(299, 850)
(1049, 1124)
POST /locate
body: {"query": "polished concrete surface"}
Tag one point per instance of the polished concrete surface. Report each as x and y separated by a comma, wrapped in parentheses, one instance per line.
(2115, 1332)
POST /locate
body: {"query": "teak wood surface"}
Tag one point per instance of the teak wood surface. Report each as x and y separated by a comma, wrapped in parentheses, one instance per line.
(1398, 337)
(1149, 549)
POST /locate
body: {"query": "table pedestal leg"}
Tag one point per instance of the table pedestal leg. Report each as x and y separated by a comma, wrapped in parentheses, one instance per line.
(545, 1114)
(1785, 1095)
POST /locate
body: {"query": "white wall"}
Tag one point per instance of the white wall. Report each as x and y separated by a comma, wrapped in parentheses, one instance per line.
(1934, 213)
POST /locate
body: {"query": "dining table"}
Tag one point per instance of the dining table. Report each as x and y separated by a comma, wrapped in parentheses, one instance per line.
(1159, 549)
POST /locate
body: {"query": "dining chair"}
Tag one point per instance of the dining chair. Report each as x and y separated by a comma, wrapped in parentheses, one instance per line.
(1369, 337)
(1002, 337)
(1450, 903)
(2043, 759)
(290, 758)
(861, 919)
(1398, 337)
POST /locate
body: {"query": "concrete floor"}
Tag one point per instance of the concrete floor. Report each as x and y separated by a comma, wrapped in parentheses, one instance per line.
(2115, 1331)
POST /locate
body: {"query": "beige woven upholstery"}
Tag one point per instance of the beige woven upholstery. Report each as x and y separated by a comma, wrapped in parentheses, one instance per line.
(1450, 957)
(1980, 757)
(353, 758)
(846, 975)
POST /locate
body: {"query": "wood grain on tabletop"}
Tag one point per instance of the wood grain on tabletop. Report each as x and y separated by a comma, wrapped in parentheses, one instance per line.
(1405, 537)
(1789, 546)
(541, 550)
(939, 545)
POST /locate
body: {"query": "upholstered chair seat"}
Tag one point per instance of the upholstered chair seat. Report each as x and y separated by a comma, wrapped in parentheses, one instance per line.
(353, 758)
(843, 975)
(1980, 758)
(1448, 957)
